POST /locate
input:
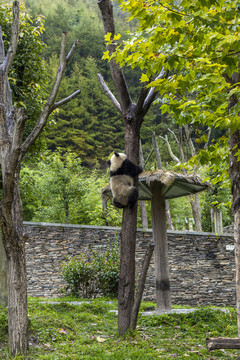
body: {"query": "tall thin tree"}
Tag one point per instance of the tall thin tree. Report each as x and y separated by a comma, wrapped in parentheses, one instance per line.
(133, 116)
(12, 151)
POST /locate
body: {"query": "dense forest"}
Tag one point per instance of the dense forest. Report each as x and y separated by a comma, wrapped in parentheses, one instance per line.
(63, 176)
(90, 126)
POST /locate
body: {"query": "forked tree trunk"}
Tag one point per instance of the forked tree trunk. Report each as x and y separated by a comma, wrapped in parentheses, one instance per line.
(12, 150)
(132, 115)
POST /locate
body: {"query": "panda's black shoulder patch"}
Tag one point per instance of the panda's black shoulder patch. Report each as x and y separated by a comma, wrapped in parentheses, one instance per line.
(119, 171)
(127, 168)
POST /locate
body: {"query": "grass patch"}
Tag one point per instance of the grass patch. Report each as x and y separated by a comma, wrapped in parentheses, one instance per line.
(89, 331)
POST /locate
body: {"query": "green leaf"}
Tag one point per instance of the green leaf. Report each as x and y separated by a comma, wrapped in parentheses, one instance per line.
(144, 78)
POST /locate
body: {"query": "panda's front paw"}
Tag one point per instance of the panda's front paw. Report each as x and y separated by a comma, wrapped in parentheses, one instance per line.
(117, 204)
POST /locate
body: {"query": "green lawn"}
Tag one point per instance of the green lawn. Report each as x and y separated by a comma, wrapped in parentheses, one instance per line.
(89, 331)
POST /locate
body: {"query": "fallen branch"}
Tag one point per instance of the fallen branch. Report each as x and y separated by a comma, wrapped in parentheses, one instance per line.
(141, 284)
(222, 343)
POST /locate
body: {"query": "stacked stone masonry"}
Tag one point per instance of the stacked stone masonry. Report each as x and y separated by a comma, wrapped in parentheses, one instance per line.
(202, 266)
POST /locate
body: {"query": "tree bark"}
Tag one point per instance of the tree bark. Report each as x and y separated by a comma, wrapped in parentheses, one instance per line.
(222, 343)
(169, 216)
(157, 153)
(196, 210)
(17, 305)
(216, 220)
(234, 172)
(3, 274)
(12, 150)
(126, 287)
(144, 217)
(14, 243)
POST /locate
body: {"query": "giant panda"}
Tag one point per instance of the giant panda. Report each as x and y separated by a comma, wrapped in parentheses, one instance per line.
(122, 173)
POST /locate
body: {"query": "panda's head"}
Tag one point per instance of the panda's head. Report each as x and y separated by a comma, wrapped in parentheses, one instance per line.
(116, 161)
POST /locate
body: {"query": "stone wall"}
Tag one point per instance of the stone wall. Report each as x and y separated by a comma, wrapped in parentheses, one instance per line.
(202, 267)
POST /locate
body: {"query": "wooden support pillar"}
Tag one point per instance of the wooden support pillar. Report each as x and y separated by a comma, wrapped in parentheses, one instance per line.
(159, 226)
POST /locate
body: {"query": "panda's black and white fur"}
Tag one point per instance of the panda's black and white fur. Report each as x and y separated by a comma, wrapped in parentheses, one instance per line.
(122, 173)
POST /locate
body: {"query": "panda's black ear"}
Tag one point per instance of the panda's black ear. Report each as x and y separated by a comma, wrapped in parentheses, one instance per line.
(109, 162)
(116, 154)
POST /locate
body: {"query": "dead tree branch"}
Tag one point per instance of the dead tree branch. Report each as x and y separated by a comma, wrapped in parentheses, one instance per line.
(13, 39)
(120, 84)
(156, 150)
(66, 100)
(50, 104)
(174, 157)
(109, 94)
(152, 92)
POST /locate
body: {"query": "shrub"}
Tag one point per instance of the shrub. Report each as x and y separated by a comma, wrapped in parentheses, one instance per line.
(94, 274)
(79, 276)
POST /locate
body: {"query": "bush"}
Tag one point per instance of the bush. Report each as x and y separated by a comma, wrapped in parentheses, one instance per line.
(94, 274)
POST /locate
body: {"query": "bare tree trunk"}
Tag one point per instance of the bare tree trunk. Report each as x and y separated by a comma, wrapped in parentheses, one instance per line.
(144, 217)
(234, 173)
(17, 304)
(196, 210)
(169, 216)
(126, 287)
(216, 220)
(14, 242)
(156, 150)
(168, 213)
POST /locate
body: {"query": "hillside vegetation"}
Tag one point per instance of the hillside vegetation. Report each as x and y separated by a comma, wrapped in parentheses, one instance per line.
(89, 126)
